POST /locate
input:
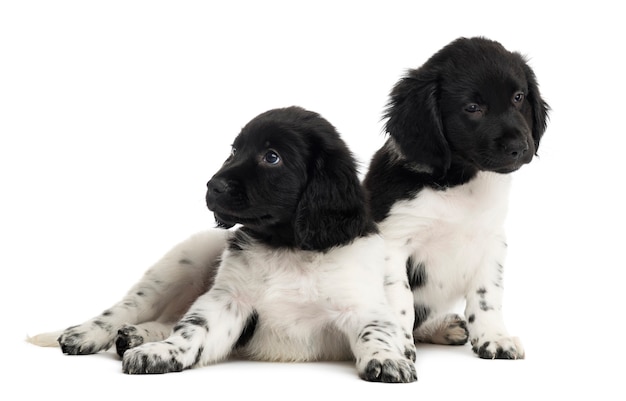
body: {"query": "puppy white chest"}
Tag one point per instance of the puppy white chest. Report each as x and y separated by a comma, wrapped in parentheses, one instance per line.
(450, 231)
(302, 297)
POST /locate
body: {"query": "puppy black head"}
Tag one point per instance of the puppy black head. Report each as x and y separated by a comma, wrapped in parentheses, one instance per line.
(290, 181)
(472, 106)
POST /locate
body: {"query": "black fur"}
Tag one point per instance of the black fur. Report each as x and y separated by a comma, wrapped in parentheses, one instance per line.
(416, 274)
(421, 314)
(248, 330)
(291, 182)
(446, 122)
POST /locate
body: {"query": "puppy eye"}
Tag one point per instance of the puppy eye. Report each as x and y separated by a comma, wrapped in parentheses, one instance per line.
(271, 157)
(233, 151)
(472, 108)
(518, 97)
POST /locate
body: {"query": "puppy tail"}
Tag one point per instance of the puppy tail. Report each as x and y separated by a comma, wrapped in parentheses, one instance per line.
(45, 339)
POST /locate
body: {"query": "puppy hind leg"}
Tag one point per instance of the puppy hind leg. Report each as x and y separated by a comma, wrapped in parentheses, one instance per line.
(172, 284)
(430, 325)
(448, 329)
(144, 302)
(130, 336)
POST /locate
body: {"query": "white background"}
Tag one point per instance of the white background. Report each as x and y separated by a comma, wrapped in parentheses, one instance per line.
(114, 114)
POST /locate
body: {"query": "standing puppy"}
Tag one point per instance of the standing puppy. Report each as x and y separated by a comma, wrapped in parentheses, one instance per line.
(458, 126)
(303, 277)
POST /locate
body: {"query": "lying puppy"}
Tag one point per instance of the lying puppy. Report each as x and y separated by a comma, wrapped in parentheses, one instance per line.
(458, 126)
(303, 277)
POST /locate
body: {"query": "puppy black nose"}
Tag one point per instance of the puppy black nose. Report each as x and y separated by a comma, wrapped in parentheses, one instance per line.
(217, 186)
(516, 148)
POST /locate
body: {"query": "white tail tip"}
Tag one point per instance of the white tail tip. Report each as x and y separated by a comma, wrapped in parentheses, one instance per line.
(45, 339)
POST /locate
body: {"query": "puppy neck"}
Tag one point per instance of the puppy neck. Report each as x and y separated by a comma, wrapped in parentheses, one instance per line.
(277, 236)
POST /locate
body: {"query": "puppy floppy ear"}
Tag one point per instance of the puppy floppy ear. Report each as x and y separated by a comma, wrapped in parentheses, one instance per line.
(539, 107)
(414, 120)
(331, 210)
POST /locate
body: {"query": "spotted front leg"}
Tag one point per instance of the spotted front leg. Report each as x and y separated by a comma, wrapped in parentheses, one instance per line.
(487, 333)
(380, 354)
(483, 310)
(206, 334)
(181, 350)
(400, 298)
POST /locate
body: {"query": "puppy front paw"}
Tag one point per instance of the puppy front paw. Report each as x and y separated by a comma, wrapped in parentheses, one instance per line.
(127, 337)
(389, 371)
(500, 348)
(87, 338)
(151, 358)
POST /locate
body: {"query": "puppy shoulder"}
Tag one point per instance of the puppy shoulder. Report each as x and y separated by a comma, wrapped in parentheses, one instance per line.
(391, 178)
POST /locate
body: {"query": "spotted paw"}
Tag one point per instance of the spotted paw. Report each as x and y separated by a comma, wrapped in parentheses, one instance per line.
(389, 371)
(87, 338)
(455, 332)
(445, 329)
(127, 337)
(501, 348)
(151, 358)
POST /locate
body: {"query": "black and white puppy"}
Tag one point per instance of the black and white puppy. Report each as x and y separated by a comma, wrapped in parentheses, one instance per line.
(458, 126)
(302, 277)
